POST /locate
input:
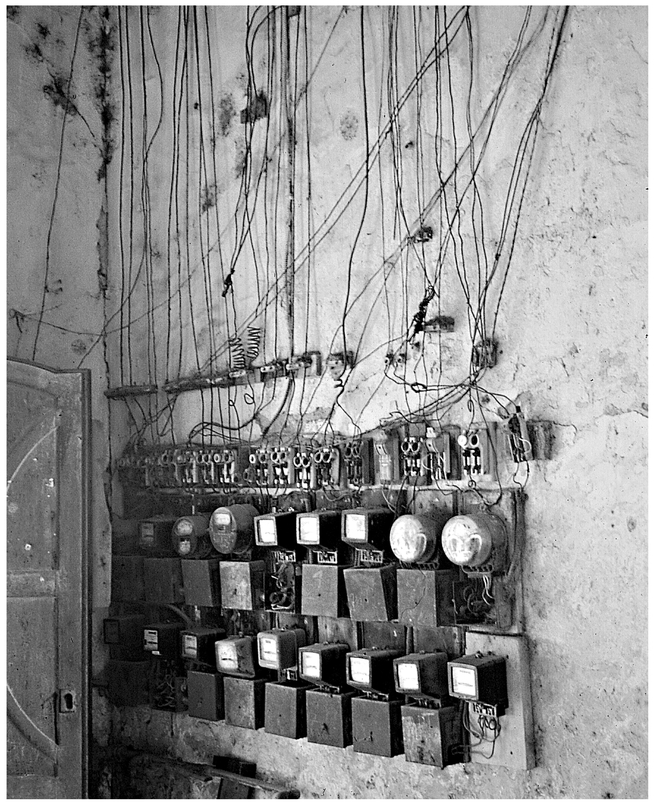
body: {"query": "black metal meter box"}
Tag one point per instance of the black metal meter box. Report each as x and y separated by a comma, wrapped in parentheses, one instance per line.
(155, 536)
(206, 697)
(431, 736)
(201, 581)
(127, 583)
(199, 644)
(286, 709)
(372, 593)
(425, 596)
(377, 727)
(124, 635)
(245, 702)
(163, 580)
(127, 682)
(329, 717)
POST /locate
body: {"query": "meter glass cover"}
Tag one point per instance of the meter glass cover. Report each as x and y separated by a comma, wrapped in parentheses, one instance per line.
(464, 681)
(268, 649)
(360, 669)
(151, 639)
(267, 531)
(227, 656)
(184, 547)
(184, 527)
(221, 519)
(407, 676)
(355, 527)
(309, 530)
(190, 645)
(311, 664)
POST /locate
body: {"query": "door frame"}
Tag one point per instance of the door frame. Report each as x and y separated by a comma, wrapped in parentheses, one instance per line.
(38, 376)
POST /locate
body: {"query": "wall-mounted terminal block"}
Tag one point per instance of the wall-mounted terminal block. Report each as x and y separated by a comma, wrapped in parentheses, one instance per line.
(327, 462)
(230, 464)
(517, 437)
(484, 354)
(163, 470)
(359, 462)
(387, 456)
(282, 468)
(442, 456)
(305, 467)
(308, 364)
(185, 467)
(270, 371)
(259, 471)
(478, 453)
(413, 460)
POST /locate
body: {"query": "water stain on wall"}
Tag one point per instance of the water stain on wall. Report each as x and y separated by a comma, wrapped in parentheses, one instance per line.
(226, 112)
(349, 125)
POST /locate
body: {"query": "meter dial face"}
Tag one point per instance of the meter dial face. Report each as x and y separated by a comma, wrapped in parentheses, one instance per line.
(183, 527)
(468, 540)
(407, 676)
(311, 664)
(355, 527)
(267, 531)
(309, 530)
(360, 669)
(464, 681)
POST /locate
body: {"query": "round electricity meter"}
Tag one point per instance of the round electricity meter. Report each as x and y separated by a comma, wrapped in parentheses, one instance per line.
(468, 539)
(231, 528)
(414, 538)
(190, 536)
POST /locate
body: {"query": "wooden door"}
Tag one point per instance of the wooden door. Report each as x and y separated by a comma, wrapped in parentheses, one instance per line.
(47, 582)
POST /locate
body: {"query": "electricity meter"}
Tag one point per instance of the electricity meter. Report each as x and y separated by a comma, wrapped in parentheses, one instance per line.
(154, 535)
(421, 675)
(190, 537)
(371, 670)
(367, 527)
(474, 540)
(275, 530)
(414, 538)
(162, 639)
(319, 530)
(479, 678)
(278, 648)
(323, 663)
(231, 528)
(237, 656)
(199, 644)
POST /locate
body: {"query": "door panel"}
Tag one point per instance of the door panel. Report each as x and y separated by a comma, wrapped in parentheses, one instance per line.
(47, 583)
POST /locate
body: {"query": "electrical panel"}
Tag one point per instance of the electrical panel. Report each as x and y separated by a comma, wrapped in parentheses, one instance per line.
(320, 542)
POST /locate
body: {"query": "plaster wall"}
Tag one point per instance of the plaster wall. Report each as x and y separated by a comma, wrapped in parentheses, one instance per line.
(571, 327)
(572, 333)
(56, 232)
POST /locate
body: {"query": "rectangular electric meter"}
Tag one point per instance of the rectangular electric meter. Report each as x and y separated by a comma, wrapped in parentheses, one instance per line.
(479, 678)
(371, 670)
(156, 536)
(162, 639)
(237, 656)
(275, 530)
(199, 644)
(323, 663)
(421, 675)
(320, 530)
(278, 648)
(367, 527)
